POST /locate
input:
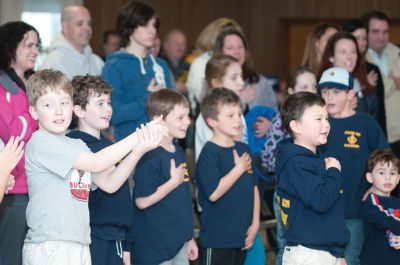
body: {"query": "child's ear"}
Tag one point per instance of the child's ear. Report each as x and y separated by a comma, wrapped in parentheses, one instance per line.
(369, 177)
(32, 111)
(290, 91)
(79, 112)
(331, 59)
(211, 122)
(295, 126)
(351, 93)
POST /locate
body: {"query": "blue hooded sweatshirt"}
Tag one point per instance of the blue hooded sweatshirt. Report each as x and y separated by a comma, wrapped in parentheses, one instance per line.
(311, 200)
(129, 76)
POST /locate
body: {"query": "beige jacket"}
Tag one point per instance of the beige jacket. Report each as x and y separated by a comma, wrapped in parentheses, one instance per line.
(392, 94)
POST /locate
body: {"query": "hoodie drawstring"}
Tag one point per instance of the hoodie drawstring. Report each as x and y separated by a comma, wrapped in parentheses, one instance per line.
(118, 246)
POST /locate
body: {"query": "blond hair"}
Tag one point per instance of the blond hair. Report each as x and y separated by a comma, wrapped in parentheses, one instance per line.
(44, 81)
(206, 39)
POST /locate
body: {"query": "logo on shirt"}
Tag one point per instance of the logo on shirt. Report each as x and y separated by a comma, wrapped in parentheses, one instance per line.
(79, 185)
(186, 172)
(352, 139)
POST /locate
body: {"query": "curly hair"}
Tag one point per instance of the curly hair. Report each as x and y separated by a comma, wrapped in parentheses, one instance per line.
(131, 16)
(11, 34)
(84, 86)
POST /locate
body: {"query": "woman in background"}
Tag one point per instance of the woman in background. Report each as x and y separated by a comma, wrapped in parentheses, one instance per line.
(18, 52)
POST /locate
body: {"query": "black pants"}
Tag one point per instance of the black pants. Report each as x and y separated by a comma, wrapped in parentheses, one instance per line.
(12, 228)
(105, 252)
(222, 256)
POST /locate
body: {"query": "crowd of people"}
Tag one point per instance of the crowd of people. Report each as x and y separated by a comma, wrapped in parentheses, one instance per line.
(94, 165)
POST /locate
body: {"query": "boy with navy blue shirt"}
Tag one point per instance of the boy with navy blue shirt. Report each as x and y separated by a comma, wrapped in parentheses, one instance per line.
(110, 214)
(227, 190)
(353, 137)
(309, 187)
(380, 211)
(163, 226)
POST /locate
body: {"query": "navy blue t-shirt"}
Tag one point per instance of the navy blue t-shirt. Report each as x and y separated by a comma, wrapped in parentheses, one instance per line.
(110, 213)
(351, 140)
(379, 220)
(161, 229)
(224, 223)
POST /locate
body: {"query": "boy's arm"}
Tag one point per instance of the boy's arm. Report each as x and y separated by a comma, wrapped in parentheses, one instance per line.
(255, 224)
(177, 177)
(242, 164)
(105, 158)
(375, 213)
(316, 192)
(112, 179)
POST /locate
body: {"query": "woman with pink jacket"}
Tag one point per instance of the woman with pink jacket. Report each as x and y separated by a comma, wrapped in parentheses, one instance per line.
(18, 51)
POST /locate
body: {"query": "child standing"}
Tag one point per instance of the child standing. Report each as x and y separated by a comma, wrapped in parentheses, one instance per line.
(381, 212)
(59, 179)
(299, 79)
(227, 189)
(309, 188)
(354, 136)
(163, 204)
(110, 214)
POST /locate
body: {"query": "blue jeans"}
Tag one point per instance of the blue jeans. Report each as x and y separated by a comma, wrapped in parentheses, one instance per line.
(280, 232)
(353, 249)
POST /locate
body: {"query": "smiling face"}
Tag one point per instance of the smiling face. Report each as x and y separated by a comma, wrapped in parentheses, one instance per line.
(234, 46)
(96, 115)
(345, 55)
(144, 36)
(77, 27)
(26, 53)
(53, 110)
(384, 178)
(177, 121)
(313, 128)
(378, 35)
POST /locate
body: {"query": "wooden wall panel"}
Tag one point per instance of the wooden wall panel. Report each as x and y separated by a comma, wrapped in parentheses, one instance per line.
(267, 23)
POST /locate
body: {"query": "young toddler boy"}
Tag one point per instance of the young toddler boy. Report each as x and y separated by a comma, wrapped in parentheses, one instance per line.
(353, 137)
(59, 173)
(110, 214)
(381, 212)
(162, 198)
(227, 190)
(309, 187)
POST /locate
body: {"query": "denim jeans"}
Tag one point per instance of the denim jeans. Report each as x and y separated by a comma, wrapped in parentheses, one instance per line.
(353, 249)
(280, 232)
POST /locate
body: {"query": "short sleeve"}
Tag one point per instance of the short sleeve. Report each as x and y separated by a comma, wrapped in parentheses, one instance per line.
(56, 154)
(208, 174)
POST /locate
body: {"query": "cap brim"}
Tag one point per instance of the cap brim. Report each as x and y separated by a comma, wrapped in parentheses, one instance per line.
(334, 85)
